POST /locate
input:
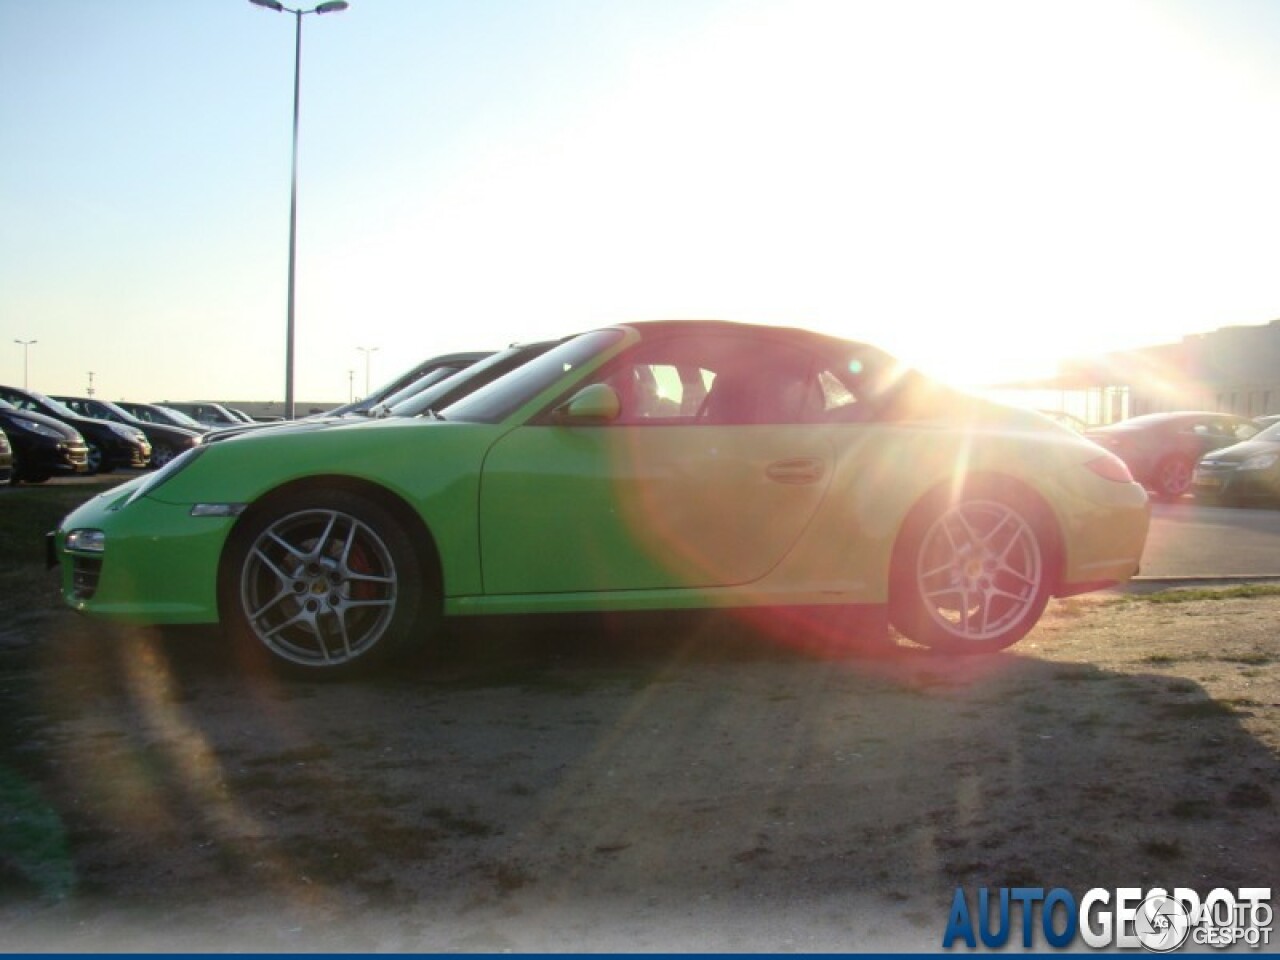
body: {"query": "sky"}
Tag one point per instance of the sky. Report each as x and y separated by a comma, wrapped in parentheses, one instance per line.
(980, 187)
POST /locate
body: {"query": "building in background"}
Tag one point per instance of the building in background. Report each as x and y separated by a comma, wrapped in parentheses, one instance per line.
(1230, 370)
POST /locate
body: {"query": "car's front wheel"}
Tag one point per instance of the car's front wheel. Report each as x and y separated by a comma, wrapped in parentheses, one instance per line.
(326, 582)
(972, 573)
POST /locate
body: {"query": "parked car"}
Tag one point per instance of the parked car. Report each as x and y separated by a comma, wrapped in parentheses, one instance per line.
(1266, 421)
(41, 446)
(441, 395)
(1068, 420)
(640, 466)
(212, 415)
(448, 362)
(166, 441)
(6, 459)
(1241, 472)
(1162, 449)
(111, 445)
(441, 370)
(155, 413)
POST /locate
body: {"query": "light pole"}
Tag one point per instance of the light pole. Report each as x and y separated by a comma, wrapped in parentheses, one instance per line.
(91, 383)
(332, 6)
(368, 352)
(26, 351)
(351, 386)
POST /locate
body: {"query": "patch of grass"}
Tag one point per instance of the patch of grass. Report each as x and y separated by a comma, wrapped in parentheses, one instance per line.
(460, 825)
(1191, 594)
(28, 514)
(1197, 710)
(1249, 659)
(1162, 849)
(1192, 809)
(1248, 796)
(510, 877)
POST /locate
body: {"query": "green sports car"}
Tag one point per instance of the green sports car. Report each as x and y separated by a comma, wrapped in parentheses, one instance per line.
(665, 465)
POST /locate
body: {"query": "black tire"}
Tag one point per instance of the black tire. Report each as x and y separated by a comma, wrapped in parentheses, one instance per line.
(1172, 477)
(326, 583)
(98, 462)
(972, 573)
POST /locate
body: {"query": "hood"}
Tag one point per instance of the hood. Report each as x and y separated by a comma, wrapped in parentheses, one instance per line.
(53, 423)
(1239, 452)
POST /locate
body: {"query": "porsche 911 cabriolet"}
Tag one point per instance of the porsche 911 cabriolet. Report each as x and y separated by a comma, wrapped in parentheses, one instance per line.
(647, 466)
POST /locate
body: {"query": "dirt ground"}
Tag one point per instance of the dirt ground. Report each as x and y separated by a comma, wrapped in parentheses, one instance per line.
(706, 784)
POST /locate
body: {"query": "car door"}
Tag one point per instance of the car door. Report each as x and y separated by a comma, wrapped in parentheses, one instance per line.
(671, 493)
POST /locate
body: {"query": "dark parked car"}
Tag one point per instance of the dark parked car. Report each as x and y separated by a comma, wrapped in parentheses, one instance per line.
(166, 441)
(111, 445)
(1243, 471)
(1162, 449)
(426, 396)
(451, 363)
(155, 413)
(6, 459)
(212, 415)
(42, 446)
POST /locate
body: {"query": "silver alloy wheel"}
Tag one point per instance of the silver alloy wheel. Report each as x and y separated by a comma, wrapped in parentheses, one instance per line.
(161, 456)
(319, 587)
(94, 458)
(980, 569)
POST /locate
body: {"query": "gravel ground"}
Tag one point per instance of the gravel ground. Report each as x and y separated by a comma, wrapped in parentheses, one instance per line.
(635, 784)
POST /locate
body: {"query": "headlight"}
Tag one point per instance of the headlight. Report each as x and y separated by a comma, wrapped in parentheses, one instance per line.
(39, 428)
(87, 541)
(1263, 461)
(128, 433)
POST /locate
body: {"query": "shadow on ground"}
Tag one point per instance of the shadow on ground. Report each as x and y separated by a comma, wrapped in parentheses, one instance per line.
(652, 783)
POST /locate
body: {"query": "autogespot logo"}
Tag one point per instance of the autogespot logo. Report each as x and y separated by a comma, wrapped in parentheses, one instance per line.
(1126, 918)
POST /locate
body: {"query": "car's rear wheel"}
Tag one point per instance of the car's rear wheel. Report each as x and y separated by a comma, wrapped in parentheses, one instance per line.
(1173, 477)
(326, 583)
(972, 573)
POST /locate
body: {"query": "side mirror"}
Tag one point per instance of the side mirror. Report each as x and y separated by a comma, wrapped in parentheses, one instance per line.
(598, 403)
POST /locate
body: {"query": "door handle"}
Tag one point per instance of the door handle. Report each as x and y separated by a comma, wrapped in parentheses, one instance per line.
(798, 470)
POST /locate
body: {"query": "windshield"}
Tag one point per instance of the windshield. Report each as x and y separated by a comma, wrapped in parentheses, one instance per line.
(1271, 433)
(502, 397)
(180, 417)
(62, 409)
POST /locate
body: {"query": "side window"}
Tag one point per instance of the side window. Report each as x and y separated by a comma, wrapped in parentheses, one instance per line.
(723, 379)
(652, 391)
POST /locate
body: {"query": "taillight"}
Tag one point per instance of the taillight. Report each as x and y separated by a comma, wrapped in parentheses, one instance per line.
(1110, 467)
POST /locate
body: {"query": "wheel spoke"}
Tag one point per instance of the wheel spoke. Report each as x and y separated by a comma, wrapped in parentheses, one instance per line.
(261, 611)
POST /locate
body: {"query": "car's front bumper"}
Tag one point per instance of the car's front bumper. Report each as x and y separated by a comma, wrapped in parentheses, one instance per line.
(159, 564)
(1225, 481)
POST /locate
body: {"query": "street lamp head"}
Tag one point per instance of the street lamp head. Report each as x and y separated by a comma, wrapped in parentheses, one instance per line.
(275, 5)
(330, 6)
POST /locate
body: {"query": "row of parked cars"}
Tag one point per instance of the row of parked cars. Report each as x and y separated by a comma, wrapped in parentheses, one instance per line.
(43, 436)
(1219, 457)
